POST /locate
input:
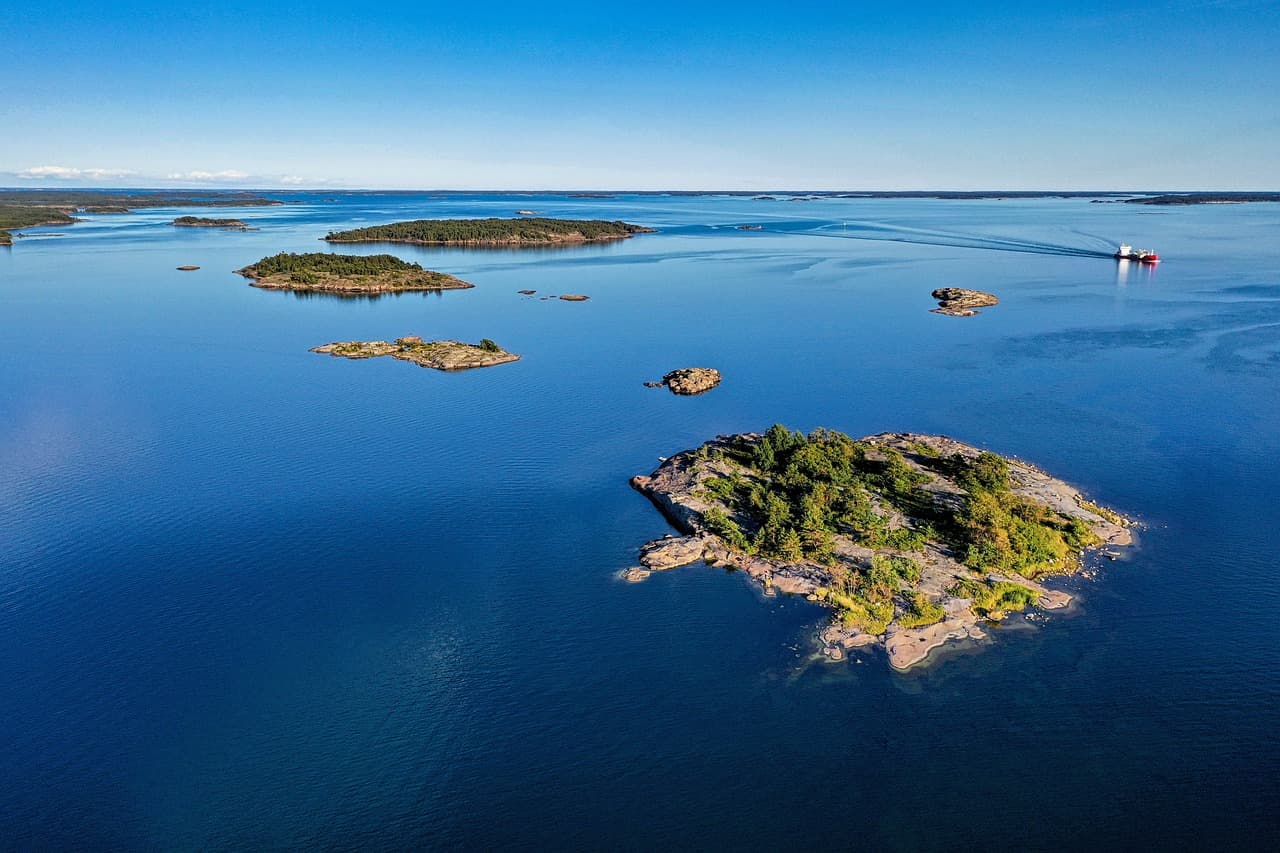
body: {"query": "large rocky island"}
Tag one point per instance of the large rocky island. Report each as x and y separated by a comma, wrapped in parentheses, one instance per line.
(912, 540)
(323, 272)
(441, 355)
(491, 232)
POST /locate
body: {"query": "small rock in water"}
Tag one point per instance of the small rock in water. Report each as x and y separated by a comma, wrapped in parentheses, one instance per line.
(575, 297)
(691, 380)
(526, 292)
(189, 268)
(961, 302)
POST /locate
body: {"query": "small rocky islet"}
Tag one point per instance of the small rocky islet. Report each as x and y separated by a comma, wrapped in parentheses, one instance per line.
(440, 355)
(688, 381)
(914, 541)
(962, 302)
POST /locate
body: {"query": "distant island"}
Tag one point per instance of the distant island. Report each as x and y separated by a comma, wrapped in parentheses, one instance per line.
(491, 232)
(441, 355)
(1204, 198)
(202, 222)
(913, 540)
(32, 208)
(323, 272)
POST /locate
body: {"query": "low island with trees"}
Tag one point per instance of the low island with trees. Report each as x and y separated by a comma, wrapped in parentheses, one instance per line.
(912, 540)
(205, 222)
(525, 231)
(37, 207)
(441, 355)
(325, 272)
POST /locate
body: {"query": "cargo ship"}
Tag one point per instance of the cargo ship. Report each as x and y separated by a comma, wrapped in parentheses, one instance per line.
(1142, 256)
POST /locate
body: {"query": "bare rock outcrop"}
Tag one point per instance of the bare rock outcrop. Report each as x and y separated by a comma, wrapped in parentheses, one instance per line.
(961, 302)
(689, 380)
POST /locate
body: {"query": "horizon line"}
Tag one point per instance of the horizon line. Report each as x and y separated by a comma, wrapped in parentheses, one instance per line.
(618, 191)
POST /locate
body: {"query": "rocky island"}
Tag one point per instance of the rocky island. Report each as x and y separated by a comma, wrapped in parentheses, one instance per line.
(912, 540)
(441, 355)
(688, 381)
(203, 222)
(323, 272)
(960, 302)
(491, 232)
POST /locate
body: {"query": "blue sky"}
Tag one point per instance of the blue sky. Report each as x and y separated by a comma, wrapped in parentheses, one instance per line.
(655, 95)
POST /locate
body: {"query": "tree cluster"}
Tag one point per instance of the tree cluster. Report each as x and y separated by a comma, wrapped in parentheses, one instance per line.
(327, 263)
(494, 230)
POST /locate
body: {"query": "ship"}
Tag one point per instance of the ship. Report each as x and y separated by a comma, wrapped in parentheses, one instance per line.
(1142, 256)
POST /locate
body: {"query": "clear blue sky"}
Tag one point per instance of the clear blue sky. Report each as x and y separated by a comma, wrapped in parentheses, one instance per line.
(647, 95)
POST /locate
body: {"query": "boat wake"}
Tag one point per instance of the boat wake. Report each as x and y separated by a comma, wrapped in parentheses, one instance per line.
(902, 234)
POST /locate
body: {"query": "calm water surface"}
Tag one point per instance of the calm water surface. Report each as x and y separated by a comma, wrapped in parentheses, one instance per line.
(255, 597)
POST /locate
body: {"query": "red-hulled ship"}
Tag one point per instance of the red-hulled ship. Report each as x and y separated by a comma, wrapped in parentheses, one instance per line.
(1142, 256)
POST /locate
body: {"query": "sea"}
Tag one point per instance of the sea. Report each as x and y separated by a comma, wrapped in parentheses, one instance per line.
(253, 597)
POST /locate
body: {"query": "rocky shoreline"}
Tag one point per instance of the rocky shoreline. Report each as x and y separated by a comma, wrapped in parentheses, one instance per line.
(963, 600)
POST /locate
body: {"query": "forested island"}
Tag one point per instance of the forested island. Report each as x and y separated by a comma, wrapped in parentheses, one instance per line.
(1175, 199)
(203, 222)
(32, 208)
(440, 355)
(325, 272)
(912, 540)
(528, 231)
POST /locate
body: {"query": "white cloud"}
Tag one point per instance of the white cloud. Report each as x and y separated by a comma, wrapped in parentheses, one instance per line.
(198, 175)
(227, 177)
(68, 173)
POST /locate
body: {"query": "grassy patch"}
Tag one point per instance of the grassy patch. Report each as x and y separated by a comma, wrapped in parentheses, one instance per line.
(995, 596)
(920, 611)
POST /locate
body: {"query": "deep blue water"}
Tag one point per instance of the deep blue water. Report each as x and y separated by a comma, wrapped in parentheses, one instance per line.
(255, 597)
